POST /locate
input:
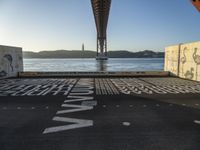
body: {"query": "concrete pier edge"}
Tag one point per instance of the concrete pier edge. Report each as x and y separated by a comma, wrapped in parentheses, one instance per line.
(95, 74)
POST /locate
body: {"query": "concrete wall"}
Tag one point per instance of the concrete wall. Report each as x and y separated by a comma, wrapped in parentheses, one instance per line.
(183, 60)
(11, 61)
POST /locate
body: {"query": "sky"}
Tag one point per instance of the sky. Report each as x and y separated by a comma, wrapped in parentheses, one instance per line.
(134, 25)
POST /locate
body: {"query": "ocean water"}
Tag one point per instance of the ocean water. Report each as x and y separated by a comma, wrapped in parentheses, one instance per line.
(112, 64)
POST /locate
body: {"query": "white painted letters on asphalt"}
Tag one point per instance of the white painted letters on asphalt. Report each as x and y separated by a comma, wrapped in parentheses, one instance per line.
(80, 93)
(78, 123)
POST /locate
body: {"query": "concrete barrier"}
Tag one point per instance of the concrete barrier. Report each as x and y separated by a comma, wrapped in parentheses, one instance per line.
(183, 60)
(11, 61)
(94, 74)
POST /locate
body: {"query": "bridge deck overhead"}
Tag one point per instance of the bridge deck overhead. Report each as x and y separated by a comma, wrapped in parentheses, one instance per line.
(101, 9)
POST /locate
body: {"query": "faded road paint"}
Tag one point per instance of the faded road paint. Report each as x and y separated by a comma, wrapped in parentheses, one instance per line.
(78, 123)
(83, 91)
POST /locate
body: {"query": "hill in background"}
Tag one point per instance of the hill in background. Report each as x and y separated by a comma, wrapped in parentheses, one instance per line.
(92, 54)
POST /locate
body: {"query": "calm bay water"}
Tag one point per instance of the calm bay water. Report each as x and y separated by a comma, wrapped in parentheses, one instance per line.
(113, 64)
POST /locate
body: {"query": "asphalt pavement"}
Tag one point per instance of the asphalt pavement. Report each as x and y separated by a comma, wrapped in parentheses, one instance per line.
(99, 114)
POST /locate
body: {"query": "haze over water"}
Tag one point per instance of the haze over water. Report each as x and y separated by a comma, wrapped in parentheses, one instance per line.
(112, 64)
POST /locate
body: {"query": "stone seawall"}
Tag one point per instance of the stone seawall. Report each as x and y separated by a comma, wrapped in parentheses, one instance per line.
(11, 61)
(183, 60)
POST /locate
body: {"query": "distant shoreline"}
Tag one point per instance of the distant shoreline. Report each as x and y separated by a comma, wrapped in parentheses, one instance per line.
(66, 54)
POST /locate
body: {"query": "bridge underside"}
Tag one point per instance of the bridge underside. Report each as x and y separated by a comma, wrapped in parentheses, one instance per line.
(101, 10)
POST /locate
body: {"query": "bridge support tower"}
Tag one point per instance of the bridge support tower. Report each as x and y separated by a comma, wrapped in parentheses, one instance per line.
(101, 9)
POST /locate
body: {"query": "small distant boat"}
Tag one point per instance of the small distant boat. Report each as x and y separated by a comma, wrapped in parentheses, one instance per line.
(196, 3)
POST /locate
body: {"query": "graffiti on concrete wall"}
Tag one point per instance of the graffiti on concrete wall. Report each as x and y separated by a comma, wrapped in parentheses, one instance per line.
(188, 60)
(10, 61)
(189, 74)
(183, 59)
(171, 60)
(196, 58)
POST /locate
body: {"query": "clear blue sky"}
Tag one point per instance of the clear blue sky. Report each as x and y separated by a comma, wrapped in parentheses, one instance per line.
(134, 25)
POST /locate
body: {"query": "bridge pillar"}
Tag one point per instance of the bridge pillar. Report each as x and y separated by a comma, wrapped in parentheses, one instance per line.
(101, 9)
(101, 48)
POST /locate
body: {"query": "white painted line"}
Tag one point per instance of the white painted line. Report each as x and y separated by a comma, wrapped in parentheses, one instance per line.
(184, 104)
(32, 107)
(126, 124)
(78, 98)
(76, 123)
(75, 108)
(197, 122)
(89, 103)
(197, 104)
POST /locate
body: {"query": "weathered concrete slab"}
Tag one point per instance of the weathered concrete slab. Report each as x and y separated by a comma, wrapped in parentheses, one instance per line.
(11, 61)
(183, 60)
(95, 74)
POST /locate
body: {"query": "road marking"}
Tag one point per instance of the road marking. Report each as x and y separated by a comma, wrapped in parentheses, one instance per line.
(4, 108)
(197, 104)
(117, 106)
(130, 105)
(126, 124)
(197, 121)
(30, 87)
(81, 92)
(104, 106)
(18, 107)
(89, 103)
(47, 107)
(145, 106)
(76, 108)
(184, 104)
(32, 107)
(78, 98)
(78, 123)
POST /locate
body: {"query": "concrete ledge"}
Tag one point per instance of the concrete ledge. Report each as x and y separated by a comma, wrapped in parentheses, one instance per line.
(95, 74)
